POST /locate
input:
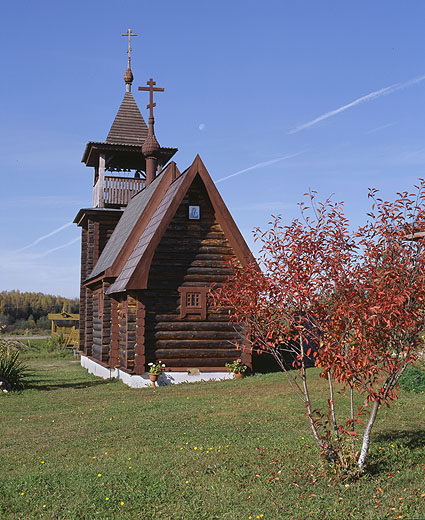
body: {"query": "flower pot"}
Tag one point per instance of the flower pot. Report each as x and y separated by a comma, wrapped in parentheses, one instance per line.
(238, 375)
(153, 378)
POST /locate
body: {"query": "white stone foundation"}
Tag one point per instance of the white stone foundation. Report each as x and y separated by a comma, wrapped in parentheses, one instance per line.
(140, 381)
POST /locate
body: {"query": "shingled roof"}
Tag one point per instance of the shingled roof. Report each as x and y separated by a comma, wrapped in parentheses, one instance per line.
(128, 127)
(124, 227)
(145, 239)
(169, 190)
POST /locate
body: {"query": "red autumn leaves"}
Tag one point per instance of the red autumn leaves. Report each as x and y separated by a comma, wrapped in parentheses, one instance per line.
(353, 300)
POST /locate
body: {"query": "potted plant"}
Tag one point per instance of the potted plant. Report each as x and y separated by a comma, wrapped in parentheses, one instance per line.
(155, 369)
(237, 367)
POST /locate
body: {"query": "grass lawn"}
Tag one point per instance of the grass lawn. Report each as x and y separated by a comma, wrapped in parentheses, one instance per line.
(74, 446)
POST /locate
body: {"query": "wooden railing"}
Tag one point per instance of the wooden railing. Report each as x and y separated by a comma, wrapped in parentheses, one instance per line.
(116, 190)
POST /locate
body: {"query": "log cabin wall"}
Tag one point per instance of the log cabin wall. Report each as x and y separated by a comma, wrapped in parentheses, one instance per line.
(83, 291)
(114, 360)
(102, 323)
(96, 231)
(122, 332)
(191, 253)
(88, 304)
(106, 317)
(140, 359)
(128, 312)
(97, 324)
(131, 332)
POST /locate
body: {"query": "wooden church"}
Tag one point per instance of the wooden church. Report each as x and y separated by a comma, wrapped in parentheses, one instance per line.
(153, 243)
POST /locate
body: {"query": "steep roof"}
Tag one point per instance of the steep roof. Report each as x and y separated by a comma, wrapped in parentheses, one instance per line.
(150, 228)
(146, 238)
(128, 127)
(123, 229)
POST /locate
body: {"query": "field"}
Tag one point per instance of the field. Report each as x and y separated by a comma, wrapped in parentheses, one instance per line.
(76, 447)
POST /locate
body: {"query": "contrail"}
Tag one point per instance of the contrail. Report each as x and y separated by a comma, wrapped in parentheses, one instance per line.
(58, 247)
(44, 237)
(379, 128)
(259, 165)
(369, 97)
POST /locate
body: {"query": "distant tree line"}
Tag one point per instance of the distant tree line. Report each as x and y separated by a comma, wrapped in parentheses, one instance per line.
(22, 310)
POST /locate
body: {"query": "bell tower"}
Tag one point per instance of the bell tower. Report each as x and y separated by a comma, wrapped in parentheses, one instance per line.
(121, 162)
(120, 165)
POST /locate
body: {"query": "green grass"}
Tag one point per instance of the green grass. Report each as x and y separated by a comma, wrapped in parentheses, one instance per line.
(413, 378)
(38, 348)
(76, 447)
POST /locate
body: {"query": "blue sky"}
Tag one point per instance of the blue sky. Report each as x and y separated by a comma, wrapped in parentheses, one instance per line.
(246, 86)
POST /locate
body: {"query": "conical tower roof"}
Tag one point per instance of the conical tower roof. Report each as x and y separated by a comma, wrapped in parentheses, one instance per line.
(123, 146)
(128, 127)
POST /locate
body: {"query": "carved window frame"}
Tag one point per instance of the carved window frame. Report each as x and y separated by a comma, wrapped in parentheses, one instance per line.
(197, 295)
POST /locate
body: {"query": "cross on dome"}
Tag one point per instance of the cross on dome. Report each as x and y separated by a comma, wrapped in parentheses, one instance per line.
(129, 34)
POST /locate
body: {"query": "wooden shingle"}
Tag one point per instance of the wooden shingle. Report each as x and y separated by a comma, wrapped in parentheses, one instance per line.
(128, 127)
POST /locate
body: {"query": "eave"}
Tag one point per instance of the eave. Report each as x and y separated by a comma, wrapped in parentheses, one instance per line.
(123, 156)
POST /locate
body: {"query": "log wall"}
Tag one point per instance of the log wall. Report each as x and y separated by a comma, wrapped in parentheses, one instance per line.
(83, 291)
(130, 333)
(122, 333)
(191, 253)
(96, 325)
(106, 318)
(102, 323)
(96, 231)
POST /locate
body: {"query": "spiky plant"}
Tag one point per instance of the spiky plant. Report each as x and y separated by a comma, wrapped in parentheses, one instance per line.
(12, 369)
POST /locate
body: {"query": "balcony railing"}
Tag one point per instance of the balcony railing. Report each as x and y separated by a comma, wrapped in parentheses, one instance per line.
(117, 191)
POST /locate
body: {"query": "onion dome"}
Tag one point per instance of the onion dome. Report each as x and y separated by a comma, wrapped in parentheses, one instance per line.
(128, 76)
(150, 146)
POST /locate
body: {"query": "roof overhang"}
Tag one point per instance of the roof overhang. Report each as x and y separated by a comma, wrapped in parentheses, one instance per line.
(122, 156)
(94, 213)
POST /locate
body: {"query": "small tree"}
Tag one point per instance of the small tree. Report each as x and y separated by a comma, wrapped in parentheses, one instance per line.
(351, 300)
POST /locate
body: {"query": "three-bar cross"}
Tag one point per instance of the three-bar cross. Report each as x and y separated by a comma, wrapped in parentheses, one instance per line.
(151, 89)
(129, 34)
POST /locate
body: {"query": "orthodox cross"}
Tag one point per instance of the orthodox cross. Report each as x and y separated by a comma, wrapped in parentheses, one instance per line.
(151, 89)
(129, 34)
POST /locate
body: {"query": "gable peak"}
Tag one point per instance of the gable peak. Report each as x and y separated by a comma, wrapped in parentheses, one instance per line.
(198, 163)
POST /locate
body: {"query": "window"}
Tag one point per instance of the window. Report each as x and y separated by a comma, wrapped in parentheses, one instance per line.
(193, 300)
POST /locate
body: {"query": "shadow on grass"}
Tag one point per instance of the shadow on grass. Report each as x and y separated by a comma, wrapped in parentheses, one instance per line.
(400, 447)
(45, 386)
(411, 439)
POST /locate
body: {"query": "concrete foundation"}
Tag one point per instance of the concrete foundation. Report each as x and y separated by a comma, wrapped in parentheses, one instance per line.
(140, 381)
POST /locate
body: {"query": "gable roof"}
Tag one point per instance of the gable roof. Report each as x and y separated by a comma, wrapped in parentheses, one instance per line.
(146, 238)
(128, 127)
(150, 234)
(125, 225)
